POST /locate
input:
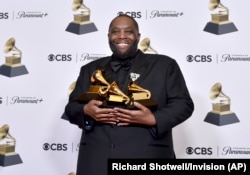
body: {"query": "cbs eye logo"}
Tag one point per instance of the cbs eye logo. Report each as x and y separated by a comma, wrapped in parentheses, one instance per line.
(132, 14)
(4, 15)
(1, 100)
(199, 151)
(60, 57)
(55, 147)
(199, 58)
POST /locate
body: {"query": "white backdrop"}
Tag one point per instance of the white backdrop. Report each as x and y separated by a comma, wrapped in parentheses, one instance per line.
(48, 144)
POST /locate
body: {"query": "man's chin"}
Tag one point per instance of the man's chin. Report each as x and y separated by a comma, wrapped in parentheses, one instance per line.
(121, 55)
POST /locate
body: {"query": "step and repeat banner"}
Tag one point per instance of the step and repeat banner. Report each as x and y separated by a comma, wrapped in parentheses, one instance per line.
(44, 43)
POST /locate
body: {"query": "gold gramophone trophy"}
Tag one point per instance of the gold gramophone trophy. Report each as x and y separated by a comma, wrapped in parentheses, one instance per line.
(141, 95)
(145, 46)
(220, 23)
(72, 173)
(81, 23)
(111, 94)
(8, 156)
(221, 114)
(12, 66)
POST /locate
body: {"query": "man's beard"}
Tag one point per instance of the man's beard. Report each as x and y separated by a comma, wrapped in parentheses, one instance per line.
(123, 55)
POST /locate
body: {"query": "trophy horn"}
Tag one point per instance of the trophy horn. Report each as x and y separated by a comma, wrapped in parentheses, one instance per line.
(213, 4)
(133, 87)
(10, 46)
(145, 45)
(97, 77)
(114, 89)
(72, 173)
(78, 4)
(4, 133)
(71, 87)
(216, 91)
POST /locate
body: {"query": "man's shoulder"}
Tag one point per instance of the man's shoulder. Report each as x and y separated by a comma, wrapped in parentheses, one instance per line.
(98, 62)
(158, 57)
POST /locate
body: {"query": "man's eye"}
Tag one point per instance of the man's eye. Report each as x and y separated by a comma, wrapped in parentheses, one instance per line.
(115, 32)
(129, 32)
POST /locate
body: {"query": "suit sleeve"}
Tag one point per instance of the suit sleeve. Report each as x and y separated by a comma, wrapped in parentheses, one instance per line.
(179, 105)
(74, 109)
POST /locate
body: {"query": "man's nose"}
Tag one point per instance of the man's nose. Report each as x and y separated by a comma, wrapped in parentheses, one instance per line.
(122, 34)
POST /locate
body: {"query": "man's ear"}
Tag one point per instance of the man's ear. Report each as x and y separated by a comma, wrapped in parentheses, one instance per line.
(139, 37)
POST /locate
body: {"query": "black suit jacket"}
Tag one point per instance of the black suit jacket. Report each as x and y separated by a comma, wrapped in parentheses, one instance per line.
(159, 74)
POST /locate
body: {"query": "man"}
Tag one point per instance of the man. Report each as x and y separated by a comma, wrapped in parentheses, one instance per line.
(120, 132)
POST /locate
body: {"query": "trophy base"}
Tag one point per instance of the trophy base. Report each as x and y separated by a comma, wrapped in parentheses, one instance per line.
(113, 104)
(85, 97)
(149, 103)
(7, 160)
(81, 28)
(221, 119)
(13, 71)
(220, 29)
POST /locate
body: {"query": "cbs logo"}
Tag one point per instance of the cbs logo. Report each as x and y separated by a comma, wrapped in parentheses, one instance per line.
(4, 15)
(199, 151)
(132, 14)
(1, 100)
(199, 58)
(55, 147)
(60, 57)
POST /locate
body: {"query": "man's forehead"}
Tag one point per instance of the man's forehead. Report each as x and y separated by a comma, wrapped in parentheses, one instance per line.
(122, 19)
(122, 23)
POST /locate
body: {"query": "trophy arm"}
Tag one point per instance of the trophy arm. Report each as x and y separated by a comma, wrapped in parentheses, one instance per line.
(114, 89)
(103, 91)
(228, 100)
(223, 7)
(133, 87)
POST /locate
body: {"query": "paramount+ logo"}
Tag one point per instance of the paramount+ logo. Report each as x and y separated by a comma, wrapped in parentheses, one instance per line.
(199, 151)
(199, 58)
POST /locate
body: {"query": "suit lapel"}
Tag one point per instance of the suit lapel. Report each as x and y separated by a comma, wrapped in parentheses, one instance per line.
(139, 67)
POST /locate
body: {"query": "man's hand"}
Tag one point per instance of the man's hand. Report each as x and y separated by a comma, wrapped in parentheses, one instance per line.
(102, 115)
(141, 116)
